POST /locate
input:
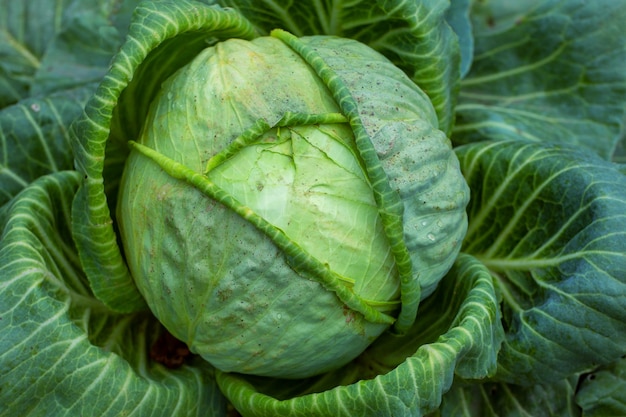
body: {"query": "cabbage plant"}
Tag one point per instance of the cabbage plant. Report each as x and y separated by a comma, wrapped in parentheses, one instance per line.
(368, 208)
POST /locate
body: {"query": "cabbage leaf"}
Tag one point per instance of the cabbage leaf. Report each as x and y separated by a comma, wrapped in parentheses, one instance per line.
(64, 353)
(530, 319)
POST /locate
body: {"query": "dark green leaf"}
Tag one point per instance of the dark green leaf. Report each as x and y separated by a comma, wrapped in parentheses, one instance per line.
(602, 392)
(80, 53)
(496, 399)
(551, 71)
(51, 54)
(458, 17)
(49, 46)
(26, 29)
(550, 224)
(34, 138)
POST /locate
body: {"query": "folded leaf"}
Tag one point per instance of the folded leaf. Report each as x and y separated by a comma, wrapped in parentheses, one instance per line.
(412, 388)
(413, 35)
(116, 113)
(63, 353)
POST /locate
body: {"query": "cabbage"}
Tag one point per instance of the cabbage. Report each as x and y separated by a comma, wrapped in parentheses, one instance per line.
(281, 251)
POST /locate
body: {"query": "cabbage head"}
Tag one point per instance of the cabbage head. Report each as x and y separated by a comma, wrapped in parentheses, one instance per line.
(287, 201)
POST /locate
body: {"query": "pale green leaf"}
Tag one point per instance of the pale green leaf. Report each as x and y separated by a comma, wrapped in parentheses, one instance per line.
(468, 347)
(407, 178)
(413, 35)
(116, 113)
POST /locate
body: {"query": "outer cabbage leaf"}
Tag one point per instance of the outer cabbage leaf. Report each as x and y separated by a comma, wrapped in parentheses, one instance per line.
(49, 46)
(619, 154)
(34, 138)
(550, 224)
(116, 112)
(602, 392)
(376, 385)
(498, 399)
(413, 35)
(499, 15)
(458, 17)
(50, 58)
(551, 71)
(63, 353)
(26, 29)
(89, 34)
(422, 174)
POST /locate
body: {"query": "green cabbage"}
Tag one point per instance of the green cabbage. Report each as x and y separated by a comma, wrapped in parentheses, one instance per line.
(234, 271)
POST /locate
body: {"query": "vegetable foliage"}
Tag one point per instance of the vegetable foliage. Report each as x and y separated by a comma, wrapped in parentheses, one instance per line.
(528, 319)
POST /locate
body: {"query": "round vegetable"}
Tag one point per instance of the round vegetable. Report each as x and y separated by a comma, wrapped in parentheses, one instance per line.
(252, 219)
